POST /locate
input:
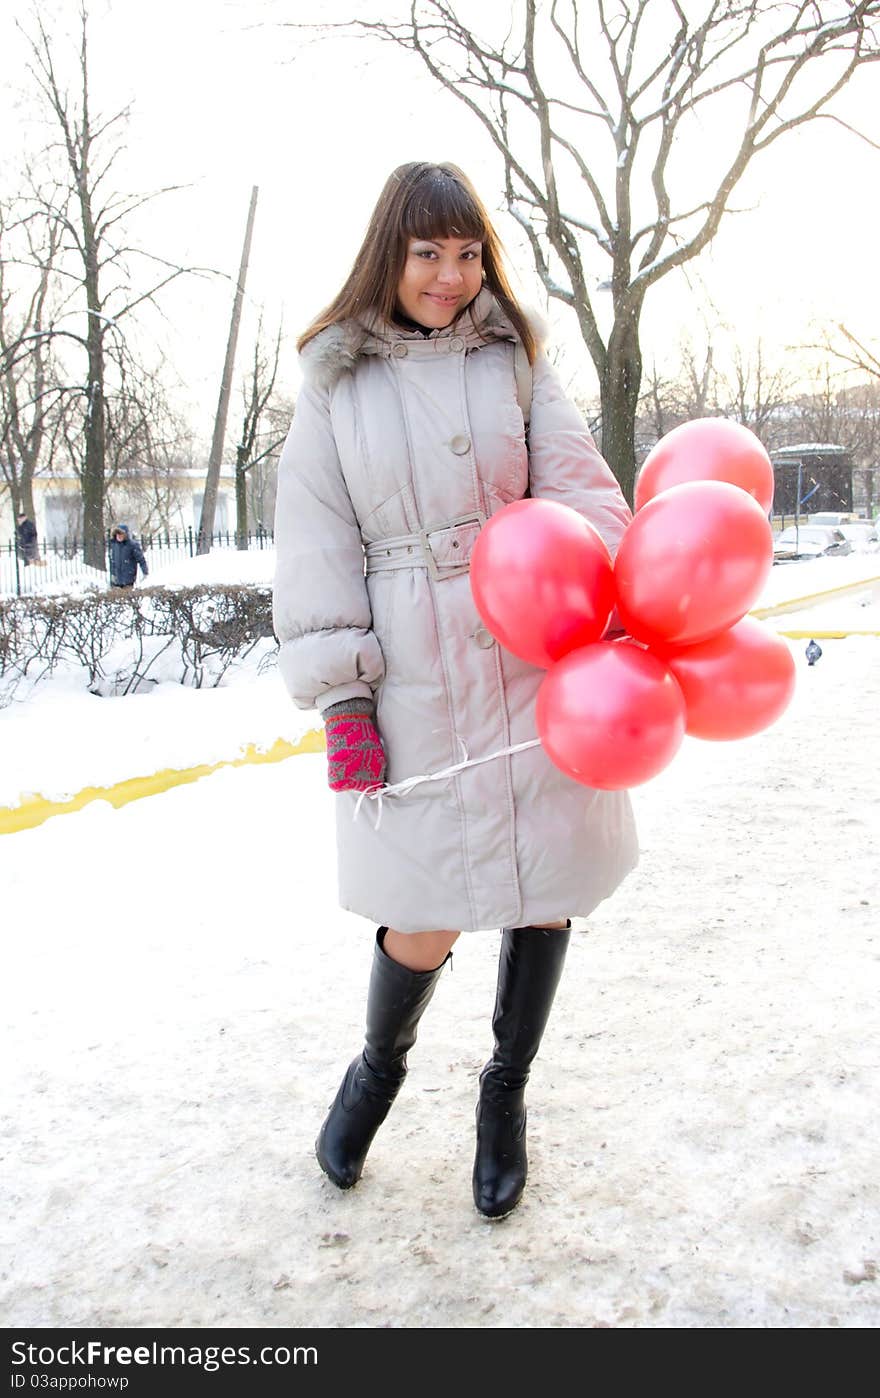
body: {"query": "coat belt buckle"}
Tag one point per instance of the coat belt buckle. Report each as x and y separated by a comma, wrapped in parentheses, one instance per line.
(450, 570)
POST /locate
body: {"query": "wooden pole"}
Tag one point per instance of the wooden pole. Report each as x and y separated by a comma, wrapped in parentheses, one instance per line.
(209, 503)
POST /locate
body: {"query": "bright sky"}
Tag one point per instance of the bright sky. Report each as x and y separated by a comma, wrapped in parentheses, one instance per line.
(222, 98)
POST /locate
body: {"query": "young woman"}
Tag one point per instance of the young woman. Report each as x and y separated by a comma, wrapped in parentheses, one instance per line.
(409, 432)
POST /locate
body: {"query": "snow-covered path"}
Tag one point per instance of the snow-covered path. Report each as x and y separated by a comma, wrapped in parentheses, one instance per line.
(181, 995)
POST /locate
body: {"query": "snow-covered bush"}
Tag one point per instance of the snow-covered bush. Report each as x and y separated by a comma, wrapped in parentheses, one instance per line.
(124, 641)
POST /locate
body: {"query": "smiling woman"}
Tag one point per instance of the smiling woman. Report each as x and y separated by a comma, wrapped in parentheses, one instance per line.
(407, 436)
(429, 248)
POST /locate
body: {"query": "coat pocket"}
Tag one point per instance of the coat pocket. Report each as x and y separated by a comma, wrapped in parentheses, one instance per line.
(395, 515)
(506, 473)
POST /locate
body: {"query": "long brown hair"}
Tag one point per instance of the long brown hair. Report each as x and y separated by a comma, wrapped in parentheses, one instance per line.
(419, 200)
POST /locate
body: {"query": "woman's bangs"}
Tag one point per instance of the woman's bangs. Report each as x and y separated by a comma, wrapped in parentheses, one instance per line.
(441, 208)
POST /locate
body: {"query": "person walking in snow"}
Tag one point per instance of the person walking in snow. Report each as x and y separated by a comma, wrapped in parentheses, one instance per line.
(26, 534)
(409, 433)
(126, 556)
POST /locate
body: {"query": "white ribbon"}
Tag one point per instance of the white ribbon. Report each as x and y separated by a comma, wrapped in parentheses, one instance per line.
(380, 793)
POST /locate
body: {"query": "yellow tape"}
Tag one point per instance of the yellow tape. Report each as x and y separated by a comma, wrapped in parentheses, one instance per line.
(33, 810)
(824, 635)
(797, 604)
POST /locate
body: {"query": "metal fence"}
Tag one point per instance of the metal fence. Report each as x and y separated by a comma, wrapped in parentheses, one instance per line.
(60, 565)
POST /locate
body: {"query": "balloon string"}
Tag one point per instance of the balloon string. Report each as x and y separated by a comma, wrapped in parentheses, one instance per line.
(402, 788)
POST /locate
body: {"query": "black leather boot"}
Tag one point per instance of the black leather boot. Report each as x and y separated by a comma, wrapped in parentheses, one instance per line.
(396, 1000)
(528, 973)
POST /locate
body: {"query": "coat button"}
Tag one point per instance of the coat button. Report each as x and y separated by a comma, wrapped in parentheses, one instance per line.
(460, 444)
(456, 344)
(399, 350)
(483, 638)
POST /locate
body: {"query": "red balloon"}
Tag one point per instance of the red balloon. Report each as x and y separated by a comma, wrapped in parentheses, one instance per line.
(610, 716)
(734, 684)
(542, 580)
(708, 449)
(692, 562)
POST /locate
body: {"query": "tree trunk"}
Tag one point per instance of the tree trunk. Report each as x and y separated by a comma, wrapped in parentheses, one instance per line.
(26, 497)
(619, 387)
(241, 509)
(209, 500)
(93, 483)
(869, 491)
(94, 532)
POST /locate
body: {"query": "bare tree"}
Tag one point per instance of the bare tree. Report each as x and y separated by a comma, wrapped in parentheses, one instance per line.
(658, 409)
(263, 476)
(854, 355)
(724, 378)
(755, 390)
(848, 349)
(592, 108)
(91, 218)
(847, 415)
(700, 380)
(149, 448)
(677, 393)
(256, 444)
(27, 393)
(212, 475)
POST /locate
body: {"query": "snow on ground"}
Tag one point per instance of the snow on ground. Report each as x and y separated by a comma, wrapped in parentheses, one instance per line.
(56, 737)
(62, 738)
(804, 577)
(858, 610)
(226, 566)
(181, 995)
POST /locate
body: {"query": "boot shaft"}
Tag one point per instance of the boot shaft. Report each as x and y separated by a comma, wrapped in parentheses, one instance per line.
(529, 969)
(396, 1000)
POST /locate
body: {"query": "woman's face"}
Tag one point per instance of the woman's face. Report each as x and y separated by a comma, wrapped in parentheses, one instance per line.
(439, 279)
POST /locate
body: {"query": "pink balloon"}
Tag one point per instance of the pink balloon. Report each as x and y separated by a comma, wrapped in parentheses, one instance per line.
(542, 580)
(692, 562)
(735, 684)
(710, 448)
(610, 715)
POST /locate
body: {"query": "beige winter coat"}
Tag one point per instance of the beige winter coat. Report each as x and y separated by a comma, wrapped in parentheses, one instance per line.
(399, 448)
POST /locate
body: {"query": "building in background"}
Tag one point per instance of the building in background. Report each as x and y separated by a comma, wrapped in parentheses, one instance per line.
(811, 477)
(150, 505)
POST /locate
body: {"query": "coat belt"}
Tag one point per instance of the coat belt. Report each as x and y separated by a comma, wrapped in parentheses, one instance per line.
(445, 550)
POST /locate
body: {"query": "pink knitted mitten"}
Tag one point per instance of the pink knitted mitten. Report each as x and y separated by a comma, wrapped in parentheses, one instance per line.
(355, 756)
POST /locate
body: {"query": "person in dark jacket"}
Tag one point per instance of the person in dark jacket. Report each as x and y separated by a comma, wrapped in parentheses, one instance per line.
(26, 532)
(126, 556)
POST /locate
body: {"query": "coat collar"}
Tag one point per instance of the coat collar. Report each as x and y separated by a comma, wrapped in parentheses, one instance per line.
(336, 350)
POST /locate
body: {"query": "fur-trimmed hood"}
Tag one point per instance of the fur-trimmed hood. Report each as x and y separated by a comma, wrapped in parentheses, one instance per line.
(335, 351)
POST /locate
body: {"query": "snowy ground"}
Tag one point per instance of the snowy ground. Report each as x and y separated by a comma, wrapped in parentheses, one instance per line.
(805, 577)
(181, 994)
(56, 737)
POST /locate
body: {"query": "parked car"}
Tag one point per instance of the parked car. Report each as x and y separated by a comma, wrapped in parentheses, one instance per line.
(862, 534)
(810, 541)
(832, 517)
